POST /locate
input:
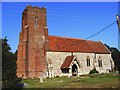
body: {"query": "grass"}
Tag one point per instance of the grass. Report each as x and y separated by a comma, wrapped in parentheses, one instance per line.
(96, 81)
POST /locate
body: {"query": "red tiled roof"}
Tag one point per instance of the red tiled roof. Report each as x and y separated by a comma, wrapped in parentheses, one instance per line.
(98, 47)
(67, 62)
(63, 44)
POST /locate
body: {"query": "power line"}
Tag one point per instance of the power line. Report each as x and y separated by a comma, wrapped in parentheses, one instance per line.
(75, 18)
(101, 30)
(57, 9)
(78, 16)
(65, 14)
(91, 35)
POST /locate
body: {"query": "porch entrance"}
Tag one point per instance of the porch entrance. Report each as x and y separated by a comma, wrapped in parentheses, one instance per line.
(74, 70)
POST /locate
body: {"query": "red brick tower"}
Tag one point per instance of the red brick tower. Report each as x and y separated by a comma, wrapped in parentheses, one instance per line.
(31, 59)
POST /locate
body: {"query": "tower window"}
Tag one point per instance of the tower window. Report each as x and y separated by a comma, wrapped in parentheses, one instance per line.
(88, 61)
(99, 62)
(35, 21)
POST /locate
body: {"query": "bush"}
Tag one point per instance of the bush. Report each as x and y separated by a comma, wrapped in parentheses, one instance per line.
(93, 71)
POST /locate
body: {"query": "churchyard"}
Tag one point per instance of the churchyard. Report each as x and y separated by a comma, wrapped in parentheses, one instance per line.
(110, 80)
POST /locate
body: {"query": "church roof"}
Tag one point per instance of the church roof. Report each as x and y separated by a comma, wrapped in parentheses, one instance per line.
(63, 44)
(98, 47)
(67, 62)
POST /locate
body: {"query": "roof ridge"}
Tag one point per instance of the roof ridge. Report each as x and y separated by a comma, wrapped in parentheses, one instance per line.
(72, 38)
(92, 41)
(67, 37)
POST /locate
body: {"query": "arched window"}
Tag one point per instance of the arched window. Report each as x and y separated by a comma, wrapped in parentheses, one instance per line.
(99, 62)
(88, 60)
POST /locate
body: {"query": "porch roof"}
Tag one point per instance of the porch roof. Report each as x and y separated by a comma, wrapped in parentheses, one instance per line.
(67, 62)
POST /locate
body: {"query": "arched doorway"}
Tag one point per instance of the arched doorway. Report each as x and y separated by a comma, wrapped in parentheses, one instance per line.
(74, 70)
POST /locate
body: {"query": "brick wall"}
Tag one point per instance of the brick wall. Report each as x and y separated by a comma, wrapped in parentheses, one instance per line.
(31, 49)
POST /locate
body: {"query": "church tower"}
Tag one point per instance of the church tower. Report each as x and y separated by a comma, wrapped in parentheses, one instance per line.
(31, 59)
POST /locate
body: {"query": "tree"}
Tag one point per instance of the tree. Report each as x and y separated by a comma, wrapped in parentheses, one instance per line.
(9, 78)
(115, 56)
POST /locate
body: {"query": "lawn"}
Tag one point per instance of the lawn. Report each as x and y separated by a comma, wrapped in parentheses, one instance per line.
(95, 81)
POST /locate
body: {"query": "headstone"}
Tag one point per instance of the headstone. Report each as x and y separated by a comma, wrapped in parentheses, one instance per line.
(25, 85)
(41, 76)
(41, 79)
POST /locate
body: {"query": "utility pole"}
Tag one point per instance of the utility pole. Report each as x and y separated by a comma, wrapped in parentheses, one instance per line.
(118, 23)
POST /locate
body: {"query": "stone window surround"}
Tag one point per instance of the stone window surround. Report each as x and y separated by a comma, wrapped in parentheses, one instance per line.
(99, 62)
(88, 61)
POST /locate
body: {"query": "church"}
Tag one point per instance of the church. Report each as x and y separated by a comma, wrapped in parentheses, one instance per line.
(43, 55)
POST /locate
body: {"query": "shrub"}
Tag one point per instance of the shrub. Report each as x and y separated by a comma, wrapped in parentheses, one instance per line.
(93, 71)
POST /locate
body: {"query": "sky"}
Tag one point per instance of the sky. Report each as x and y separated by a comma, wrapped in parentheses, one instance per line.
(74, 20)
